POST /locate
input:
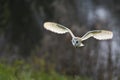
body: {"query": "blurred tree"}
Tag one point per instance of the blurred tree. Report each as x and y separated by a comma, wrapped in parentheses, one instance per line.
(23, 30)
(4, 14)
(18, 23)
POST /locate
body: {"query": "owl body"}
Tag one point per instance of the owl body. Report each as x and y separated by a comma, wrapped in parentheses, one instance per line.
(77, 41)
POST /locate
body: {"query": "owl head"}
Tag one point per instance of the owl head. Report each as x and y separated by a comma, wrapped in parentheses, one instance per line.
(76, 41)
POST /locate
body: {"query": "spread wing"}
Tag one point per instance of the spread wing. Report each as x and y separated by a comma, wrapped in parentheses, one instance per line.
(57, 28)
(98, 34)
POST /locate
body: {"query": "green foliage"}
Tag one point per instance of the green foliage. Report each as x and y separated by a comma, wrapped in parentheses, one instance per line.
(21, 70)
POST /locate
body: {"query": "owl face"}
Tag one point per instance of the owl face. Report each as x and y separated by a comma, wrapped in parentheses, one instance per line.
(77, 42)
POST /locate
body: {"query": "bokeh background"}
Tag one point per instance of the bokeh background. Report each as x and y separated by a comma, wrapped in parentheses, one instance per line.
(29, 52)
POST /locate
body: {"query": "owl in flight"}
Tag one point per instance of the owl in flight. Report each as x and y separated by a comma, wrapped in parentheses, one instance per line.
(77, 41)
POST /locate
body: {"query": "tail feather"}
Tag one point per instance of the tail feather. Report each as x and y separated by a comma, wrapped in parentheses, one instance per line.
(81, 44)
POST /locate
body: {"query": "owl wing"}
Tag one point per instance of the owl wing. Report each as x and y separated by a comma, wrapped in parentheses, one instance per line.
(57, 28)
(98, 34)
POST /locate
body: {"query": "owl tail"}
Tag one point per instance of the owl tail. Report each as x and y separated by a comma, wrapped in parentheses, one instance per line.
(81, 44)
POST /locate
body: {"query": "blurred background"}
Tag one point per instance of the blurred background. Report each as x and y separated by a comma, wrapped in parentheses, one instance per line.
(29, 52)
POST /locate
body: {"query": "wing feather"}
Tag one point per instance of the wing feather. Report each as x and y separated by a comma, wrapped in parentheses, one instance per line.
(98, 34)
(57, 28)
(54, 27)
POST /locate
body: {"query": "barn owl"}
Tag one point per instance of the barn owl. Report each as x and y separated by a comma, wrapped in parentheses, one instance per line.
(77, 41)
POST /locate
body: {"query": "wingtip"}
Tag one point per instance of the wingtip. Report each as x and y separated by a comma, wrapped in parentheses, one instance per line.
(46, 24)
(111, 35)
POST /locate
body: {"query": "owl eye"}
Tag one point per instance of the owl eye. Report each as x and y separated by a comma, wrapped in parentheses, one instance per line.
(76, 41)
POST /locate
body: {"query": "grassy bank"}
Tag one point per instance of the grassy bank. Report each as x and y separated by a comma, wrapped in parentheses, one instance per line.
(21, 70)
